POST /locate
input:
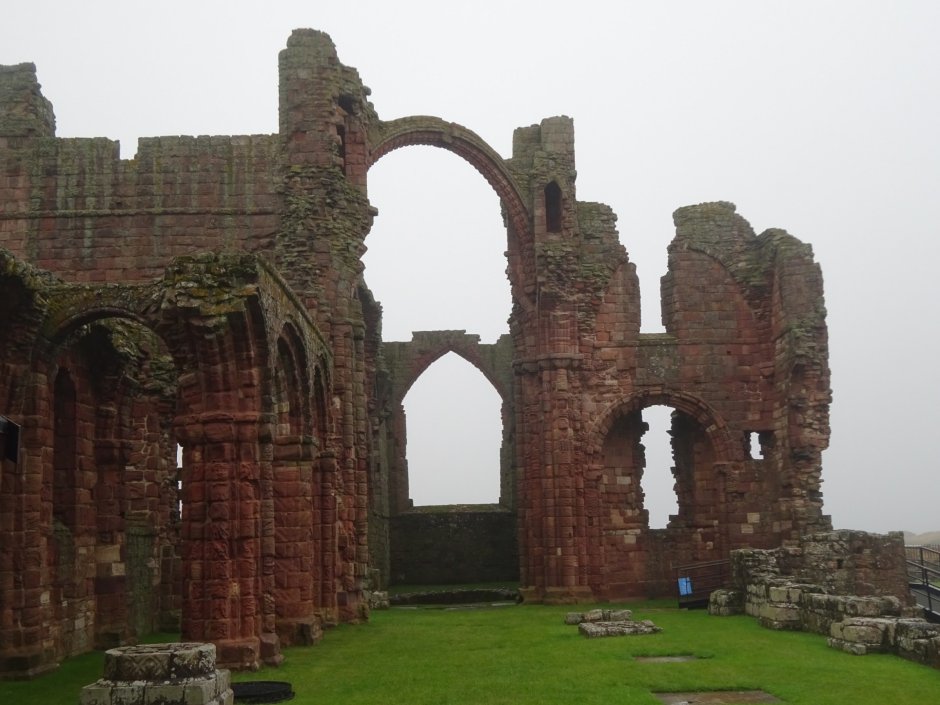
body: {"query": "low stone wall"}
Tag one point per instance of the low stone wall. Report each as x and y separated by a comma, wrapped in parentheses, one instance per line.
(454, 544)
(771, 586)
(913, 639)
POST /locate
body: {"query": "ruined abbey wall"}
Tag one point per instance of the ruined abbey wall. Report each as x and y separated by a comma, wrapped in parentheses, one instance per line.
(209, 295)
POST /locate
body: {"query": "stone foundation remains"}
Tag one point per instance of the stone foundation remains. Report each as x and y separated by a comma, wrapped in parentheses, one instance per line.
(611, 622)
(850, 586)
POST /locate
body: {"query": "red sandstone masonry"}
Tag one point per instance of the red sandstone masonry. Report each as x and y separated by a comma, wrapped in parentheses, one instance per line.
(209, 292)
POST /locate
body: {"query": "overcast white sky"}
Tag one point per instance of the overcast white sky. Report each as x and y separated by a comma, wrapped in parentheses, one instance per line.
(817, 117)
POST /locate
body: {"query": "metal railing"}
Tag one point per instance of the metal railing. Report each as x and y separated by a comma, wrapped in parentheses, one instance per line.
(923, 575)
(696, 581)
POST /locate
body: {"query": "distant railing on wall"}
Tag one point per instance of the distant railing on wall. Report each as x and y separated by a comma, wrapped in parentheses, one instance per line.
(923, 574)
(696, 581)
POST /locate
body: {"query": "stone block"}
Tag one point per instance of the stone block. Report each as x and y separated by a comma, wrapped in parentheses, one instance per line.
(223, 679)
(780, 616)
(98, 693)
(618, 615)
(877, 634)
(163, 694)
(778, 594)
(861, 634)
(847, 646)
(108, 553)
(129, 693)
(593, 630)
(593, 616)
(862, 606)
(200, 691)
(724, 603)
(917, 629)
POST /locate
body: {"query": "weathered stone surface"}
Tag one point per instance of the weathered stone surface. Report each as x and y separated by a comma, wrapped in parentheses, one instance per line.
(454, 544)
(599, 615)
(160, 674)
(148, 662)
(724, 603)
(456, 596)
(593, 630)
(857, 624)
(209, 295)
(378, 600)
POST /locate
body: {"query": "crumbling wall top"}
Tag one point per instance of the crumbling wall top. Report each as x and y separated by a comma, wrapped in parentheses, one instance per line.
(24, 111)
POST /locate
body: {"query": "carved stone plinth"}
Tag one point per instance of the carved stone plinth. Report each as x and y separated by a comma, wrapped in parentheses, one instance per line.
(160, 674)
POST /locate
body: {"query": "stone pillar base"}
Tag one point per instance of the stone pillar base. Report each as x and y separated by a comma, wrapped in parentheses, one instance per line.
(240, 654)
(22, 668)
(170, 674)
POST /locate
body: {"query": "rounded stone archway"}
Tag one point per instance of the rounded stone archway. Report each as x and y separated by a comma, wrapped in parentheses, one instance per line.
(435, 132)
(631, 559)
(132, 371)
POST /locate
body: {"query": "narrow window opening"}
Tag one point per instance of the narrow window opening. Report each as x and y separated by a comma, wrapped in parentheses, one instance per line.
(65, 449)
(758, 444)
(320, 418)
(341, 133)
(179, 481)
(553, 207)
(658, 480)
(454, 428)
(347, 103)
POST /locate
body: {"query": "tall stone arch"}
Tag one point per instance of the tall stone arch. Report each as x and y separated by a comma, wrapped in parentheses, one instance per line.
(435, 132)
(409, 360)
(439, 537)
(405, 362)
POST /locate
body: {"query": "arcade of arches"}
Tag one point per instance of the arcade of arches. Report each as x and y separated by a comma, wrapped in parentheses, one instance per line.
(209, 294)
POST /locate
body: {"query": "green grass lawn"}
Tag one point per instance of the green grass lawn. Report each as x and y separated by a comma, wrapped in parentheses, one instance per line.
(523, 655)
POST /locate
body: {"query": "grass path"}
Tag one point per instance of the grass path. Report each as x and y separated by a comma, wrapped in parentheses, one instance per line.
(526, 655)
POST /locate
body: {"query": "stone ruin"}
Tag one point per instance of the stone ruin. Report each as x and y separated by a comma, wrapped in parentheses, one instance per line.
(207, 297)
(849, 586)
(162, 674)
(610, 622)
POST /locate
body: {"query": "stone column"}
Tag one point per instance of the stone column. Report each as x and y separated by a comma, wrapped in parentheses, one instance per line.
(294, 587)
(221, 535)
(27, 642)
(566, 576)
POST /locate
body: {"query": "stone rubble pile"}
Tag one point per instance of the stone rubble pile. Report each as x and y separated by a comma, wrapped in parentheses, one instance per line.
(599, 622)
